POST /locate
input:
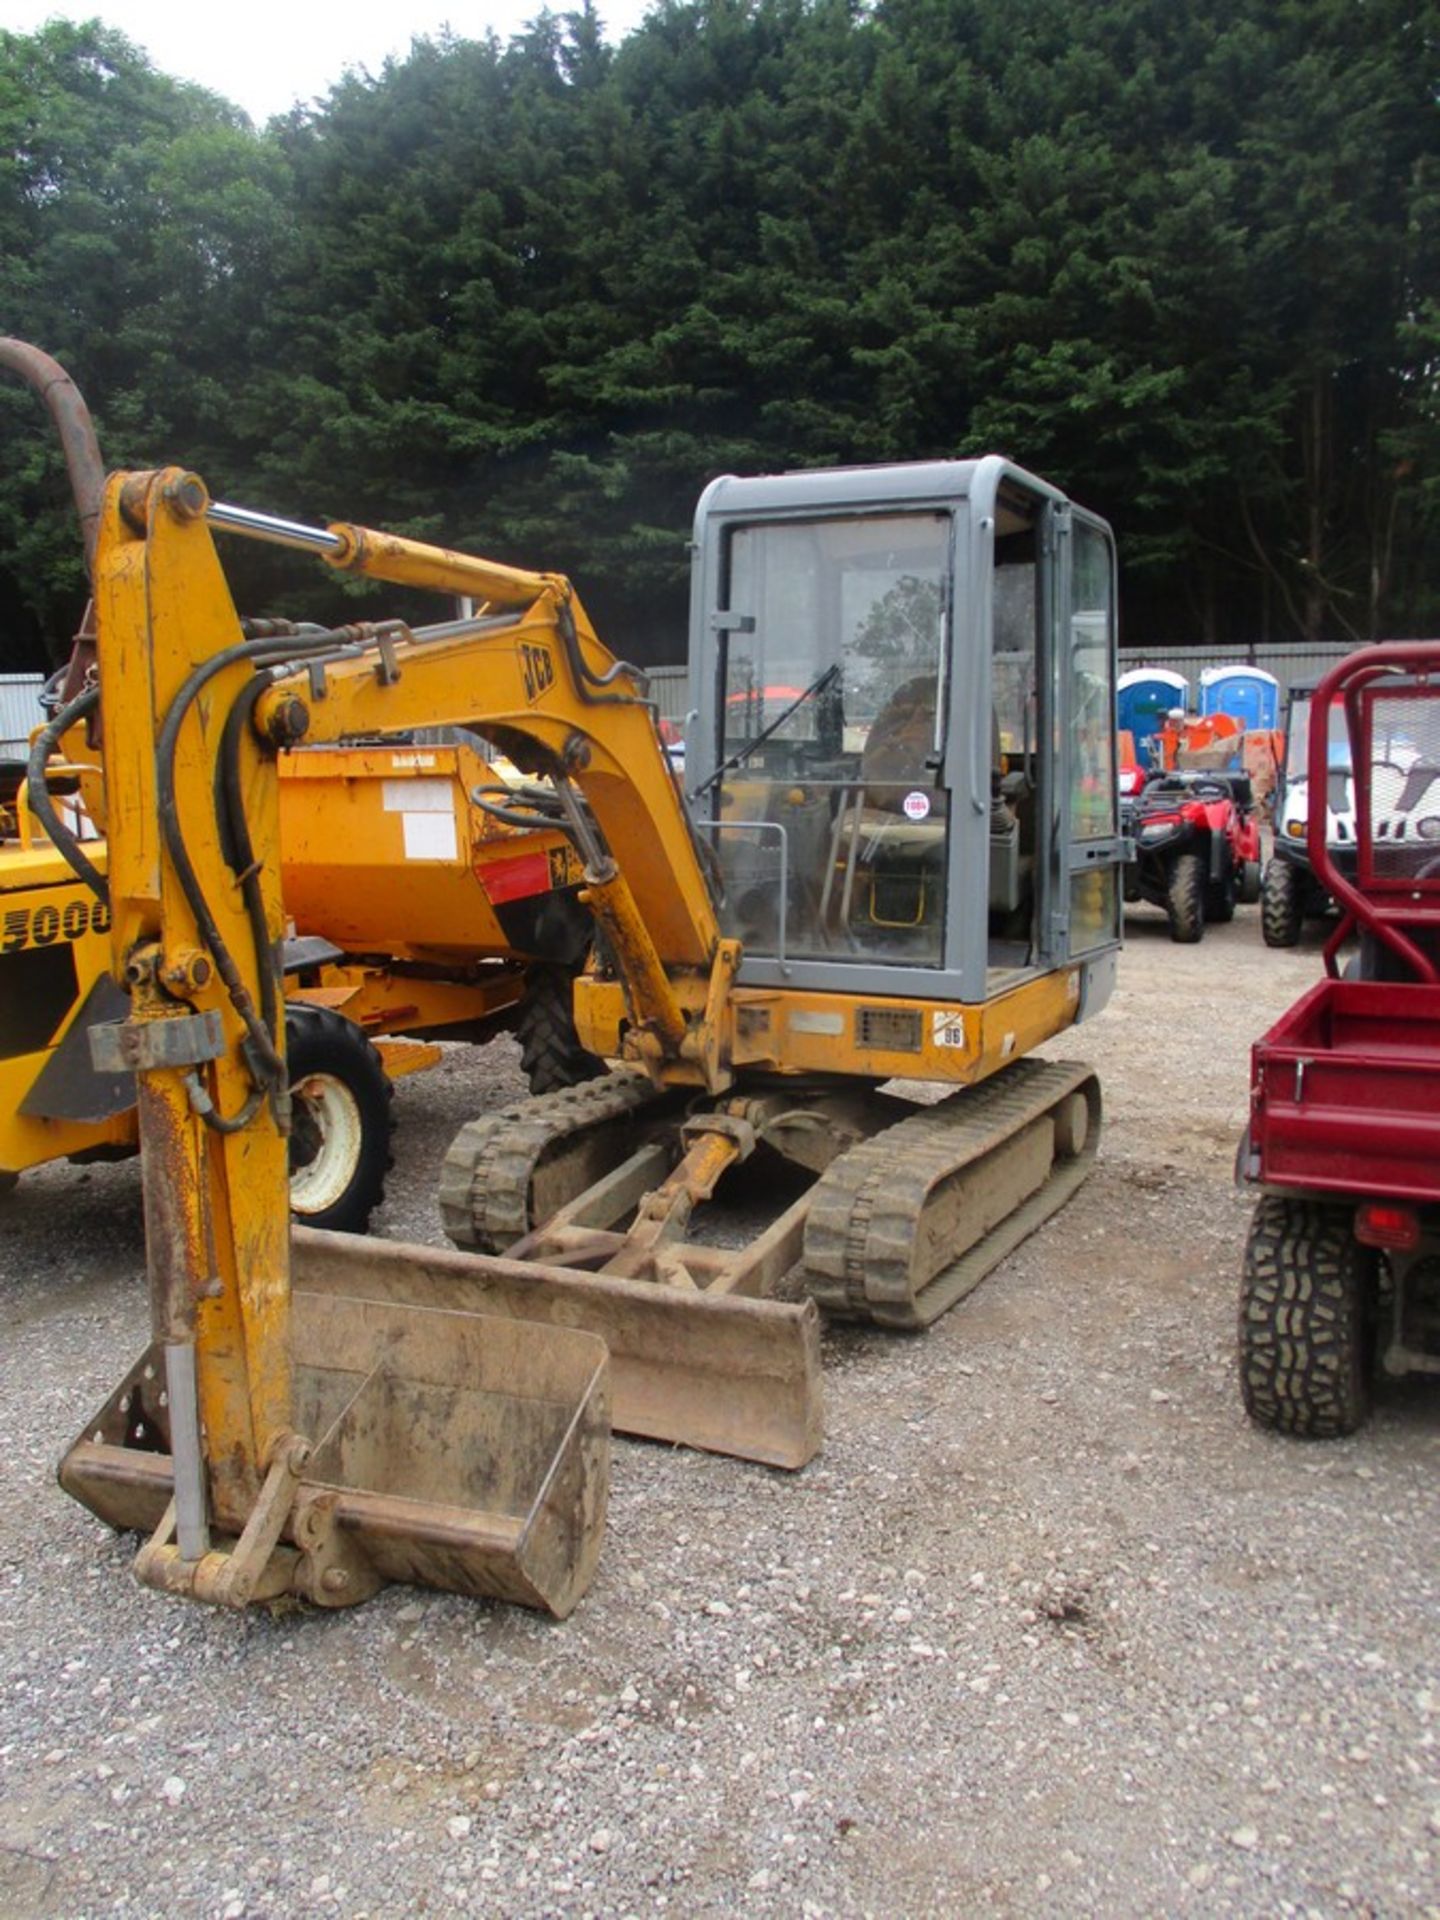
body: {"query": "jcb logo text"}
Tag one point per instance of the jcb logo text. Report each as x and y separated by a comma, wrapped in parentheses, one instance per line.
(538, 666)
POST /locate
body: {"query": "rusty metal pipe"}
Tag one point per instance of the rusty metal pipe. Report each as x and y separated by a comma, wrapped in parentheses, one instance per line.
(74, 425)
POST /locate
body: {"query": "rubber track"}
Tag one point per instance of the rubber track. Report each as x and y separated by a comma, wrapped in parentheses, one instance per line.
(866, 1208)
(485, 1177)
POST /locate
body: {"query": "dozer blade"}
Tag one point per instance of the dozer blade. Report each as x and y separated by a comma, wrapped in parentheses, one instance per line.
(453, 1450)
(723, 1373)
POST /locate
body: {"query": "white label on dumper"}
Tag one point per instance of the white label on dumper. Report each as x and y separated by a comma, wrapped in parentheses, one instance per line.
(427, 815)
(430, 836)
(418, 796)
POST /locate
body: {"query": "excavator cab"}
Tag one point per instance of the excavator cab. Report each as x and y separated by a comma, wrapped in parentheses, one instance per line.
(904, 754)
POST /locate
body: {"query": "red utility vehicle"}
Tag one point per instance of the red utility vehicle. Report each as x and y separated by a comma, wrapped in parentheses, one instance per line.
(1342, 1264)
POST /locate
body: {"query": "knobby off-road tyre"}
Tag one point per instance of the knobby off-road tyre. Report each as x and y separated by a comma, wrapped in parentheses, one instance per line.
(1250, 883)
(341, 1120)
(1307, 1317)
(1185, 898)
(550, 1050)
(1281, 905)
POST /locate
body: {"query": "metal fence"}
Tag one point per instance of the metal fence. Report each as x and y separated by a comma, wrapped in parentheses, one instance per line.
(19, 712)
(1290, 661)
(670, 690)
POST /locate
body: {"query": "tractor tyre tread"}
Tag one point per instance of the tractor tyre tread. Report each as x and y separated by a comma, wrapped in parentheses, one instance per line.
(551, 1055)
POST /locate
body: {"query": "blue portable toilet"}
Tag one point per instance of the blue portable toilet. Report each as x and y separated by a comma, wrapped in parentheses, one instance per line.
(1143, 698)
(1247, 694)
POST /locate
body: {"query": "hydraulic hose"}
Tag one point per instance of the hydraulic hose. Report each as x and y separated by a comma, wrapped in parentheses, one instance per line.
(37, 791)
(239, 849)
(270, 650)
(519, 810)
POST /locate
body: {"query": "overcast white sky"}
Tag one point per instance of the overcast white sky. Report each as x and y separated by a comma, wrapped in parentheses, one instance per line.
(267, 54)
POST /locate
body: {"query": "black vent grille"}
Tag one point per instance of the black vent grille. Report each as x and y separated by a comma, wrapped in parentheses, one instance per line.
(888, 1029)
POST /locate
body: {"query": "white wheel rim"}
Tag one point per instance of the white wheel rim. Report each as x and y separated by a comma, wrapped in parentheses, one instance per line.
(334, 1113)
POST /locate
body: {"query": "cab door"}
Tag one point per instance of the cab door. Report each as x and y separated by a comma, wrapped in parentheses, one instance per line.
(1085, 912)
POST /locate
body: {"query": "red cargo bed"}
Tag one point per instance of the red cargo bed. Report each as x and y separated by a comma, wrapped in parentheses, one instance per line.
(1345, 1092)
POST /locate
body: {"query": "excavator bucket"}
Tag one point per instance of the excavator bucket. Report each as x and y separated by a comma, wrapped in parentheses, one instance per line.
(456, 1450)
(722, 1372)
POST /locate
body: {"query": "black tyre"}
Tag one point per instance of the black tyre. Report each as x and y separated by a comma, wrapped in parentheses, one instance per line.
(341, 1120)
(550, 1049)
(8, 1183)
(1250, 883)
(1220, 899)
(1307, 1320)
(1281, 904)
(1185, 898)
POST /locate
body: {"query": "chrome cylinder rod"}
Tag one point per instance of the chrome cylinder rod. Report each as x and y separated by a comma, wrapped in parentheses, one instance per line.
(268, 526)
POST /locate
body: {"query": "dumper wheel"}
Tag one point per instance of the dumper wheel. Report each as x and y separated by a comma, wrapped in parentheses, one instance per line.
(1307, 1320)
(341, 1120)
(8, 1183)
(1185, 898)
(550, 1049)
(1281, 907)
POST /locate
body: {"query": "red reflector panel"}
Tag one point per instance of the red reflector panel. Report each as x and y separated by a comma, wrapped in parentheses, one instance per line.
(1382, 1226)
(515, 879)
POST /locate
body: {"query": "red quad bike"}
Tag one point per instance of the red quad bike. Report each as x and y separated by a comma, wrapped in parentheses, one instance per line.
(1196, 848)
(1342, 1266)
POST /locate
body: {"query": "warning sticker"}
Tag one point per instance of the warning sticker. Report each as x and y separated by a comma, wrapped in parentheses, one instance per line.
(917, 806)
(947, 1029)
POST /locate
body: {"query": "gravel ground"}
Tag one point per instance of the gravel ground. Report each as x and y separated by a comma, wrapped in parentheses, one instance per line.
(1046, 1629)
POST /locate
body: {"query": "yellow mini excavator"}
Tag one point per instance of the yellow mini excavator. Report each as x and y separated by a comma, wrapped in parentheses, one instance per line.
(897, 862)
